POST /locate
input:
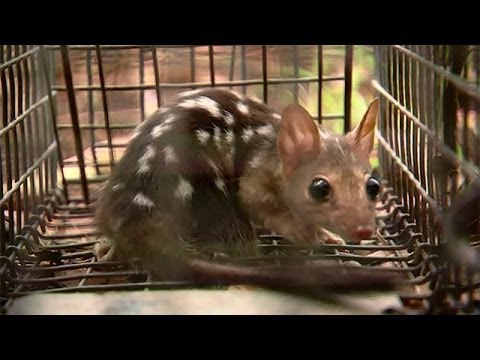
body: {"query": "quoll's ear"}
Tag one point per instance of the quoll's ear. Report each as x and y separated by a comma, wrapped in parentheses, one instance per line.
(298, 138)
(363, 136)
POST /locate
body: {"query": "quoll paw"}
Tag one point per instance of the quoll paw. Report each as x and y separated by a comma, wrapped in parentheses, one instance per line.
(327, 237)
(104, 250)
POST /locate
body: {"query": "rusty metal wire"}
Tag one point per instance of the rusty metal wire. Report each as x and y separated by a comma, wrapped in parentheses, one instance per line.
(430, 143)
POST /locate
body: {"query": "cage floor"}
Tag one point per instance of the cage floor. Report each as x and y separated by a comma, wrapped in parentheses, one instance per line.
(235, 301)
(54, 254)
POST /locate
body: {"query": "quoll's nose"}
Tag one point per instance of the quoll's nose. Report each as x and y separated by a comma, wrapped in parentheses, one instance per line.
(362, 233)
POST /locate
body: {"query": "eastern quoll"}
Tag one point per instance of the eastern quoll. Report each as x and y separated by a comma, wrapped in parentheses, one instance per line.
(200, 171)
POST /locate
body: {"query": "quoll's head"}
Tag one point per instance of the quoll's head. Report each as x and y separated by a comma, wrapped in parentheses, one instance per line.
(329, 180)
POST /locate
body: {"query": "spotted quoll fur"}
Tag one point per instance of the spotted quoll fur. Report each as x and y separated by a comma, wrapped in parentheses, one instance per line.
(200, 171)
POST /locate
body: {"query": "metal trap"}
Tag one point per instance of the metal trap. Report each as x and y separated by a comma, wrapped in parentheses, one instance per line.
(67, 112)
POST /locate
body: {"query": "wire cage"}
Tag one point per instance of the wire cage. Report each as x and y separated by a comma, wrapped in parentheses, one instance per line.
(67, 113)
(429, 150)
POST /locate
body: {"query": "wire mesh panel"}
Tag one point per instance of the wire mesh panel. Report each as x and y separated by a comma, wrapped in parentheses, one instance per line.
(429, 144)
(28, 148)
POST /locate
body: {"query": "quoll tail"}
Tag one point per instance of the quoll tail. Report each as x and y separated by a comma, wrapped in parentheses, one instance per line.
(318, 281)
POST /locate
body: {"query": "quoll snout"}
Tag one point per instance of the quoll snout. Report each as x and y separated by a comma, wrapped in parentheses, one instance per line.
(361, 233)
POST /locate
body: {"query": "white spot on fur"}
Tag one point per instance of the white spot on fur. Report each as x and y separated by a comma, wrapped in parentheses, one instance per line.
(229, 137)
(247, 134)
(266, 130)
(144, 161)
(257, 161)
(217, 136)
(118, 187)
(220, 184)
(229, 119)
(149, 153)
(237, 94)
(143, 201)
(134, 136)
(339, 146)
(143, 168)
(184, 189)
(170, 156)
(276, 116)
(188, 93)
(159, 130)
(169, 120)
(243, 108)
(202, 102)
(203, 136)
(257, 100)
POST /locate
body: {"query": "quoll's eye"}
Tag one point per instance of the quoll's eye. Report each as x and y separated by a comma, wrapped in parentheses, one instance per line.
(319, 189)
(373, 188)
